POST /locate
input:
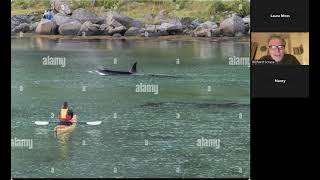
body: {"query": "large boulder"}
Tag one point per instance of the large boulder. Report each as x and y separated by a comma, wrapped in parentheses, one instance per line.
(133, 31)
(89, 29)
(19, 19)
(246, 21)
(112, 22)
(175, 20)
(187, 27)
(117, 30)
(24, 27)
(135, 23)
(114, 26)
(186, 21)
(104, 29)
(204, 29)
(195, 23)
(61, 6)
(16, 20)
(209, 24)
(84, 15)
(33, 26)
(232, 26)
(46, 27)
(123, 20)
(171, 28)
(61, 19)
(70, 28)
(202, 32)
(151, 28)
(216, 32)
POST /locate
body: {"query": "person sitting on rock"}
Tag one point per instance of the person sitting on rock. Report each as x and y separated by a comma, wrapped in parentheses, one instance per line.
(50, 15)
(45, 14)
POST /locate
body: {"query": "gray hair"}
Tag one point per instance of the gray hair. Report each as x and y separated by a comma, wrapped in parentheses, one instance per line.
(277, 37)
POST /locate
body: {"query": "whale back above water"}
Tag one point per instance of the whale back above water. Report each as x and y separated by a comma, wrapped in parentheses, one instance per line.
(116, 72)
(132, 71)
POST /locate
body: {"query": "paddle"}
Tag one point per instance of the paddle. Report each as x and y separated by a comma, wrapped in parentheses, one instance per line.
(93, 123)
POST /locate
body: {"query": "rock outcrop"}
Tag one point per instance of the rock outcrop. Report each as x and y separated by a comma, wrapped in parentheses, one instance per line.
(84, 15)
(60, 18)
(46, 27)
(232, 26)
(133, 31)
(71, 28)
(123, 20)
(61, 6)
(24, 27)
(89, 29)
(204, 29)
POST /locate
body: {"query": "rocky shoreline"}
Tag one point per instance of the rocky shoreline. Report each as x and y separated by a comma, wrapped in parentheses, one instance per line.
(159, 38)
(83, 23)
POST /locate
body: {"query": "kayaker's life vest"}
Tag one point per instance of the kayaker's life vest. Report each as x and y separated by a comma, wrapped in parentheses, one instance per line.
(64, 115)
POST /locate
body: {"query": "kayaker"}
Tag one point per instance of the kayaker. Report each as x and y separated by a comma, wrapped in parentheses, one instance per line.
(65, 115)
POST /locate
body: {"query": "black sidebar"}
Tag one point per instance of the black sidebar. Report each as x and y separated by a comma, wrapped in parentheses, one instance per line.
(280, 63)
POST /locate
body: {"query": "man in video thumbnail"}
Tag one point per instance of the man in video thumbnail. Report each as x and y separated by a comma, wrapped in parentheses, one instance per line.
(276, 52)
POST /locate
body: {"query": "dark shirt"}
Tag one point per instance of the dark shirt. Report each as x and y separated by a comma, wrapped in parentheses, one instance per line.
(287, 59)
(70, 112)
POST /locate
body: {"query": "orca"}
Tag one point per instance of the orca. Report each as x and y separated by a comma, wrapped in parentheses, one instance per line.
(132, 71)
(115, 72)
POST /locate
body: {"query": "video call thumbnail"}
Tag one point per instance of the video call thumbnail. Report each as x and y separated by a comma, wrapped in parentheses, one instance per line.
(280, 48)
(280, 64)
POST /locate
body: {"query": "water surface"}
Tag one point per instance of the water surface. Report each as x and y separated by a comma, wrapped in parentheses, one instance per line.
(142, 134)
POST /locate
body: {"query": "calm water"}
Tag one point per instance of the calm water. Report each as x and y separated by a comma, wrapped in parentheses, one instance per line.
(142, 134)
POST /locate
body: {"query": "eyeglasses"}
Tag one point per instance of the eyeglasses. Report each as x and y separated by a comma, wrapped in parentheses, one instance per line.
(274, 47)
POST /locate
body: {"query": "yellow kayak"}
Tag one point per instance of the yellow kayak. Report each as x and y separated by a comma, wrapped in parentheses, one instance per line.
(63, 129)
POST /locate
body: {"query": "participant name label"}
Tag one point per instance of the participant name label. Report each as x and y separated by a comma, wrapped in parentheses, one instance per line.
(280, 15)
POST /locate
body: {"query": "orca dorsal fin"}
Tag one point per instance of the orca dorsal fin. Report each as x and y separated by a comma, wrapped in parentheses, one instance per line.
(134, 68)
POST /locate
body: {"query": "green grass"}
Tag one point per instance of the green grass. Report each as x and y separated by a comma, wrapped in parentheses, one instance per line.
(27, 11)
(191, 9)
(29, 6)
(203, 9)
